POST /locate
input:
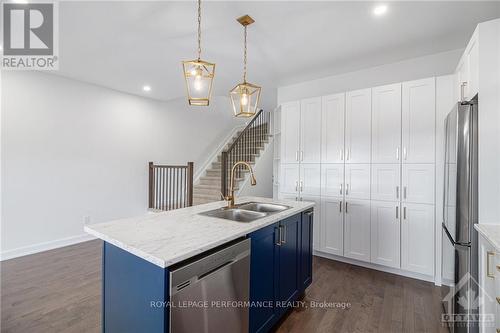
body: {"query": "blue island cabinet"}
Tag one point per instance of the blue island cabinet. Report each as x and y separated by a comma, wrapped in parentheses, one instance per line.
(280, 268)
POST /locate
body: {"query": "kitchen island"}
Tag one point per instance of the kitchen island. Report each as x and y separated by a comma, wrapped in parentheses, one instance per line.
(139, 254)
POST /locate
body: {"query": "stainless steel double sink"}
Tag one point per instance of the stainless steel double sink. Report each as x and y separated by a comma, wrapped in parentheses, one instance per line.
(246, 212)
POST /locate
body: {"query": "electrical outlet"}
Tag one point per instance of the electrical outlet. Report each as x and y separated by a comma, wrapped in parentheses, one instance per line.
(86, 219)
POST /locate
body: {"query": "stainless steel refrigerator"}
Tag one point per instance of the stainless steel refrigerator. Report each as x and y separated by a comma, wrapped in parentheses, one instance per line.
(460, 244)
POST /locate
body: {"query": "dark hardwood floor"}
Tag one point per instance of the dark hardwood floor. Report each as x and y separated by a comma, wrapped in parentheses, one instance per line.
(60, 291)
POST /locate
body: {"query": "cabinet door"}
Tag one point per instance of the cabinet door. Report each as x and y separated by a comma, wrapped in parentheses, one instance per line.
(264, 265)
(418, 183)
(386, 182)
(358, 126)
(310, 179)
(332, 226)
(289, 256)
(386, 124)
(332, 118)
(306, 236)
(472, 59)
(332, 179)
(357, 181)
(419, 123)
(357, 229)
(417, 238)
(316, 219)
(487, 281)
(289, 182)
(310, 136)
(385, 233)
(290, 132)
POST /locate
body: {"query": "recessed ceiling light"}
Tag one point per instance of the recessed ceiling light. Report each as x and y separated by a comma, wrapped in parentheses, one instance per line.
(146, 88)
(380, 10)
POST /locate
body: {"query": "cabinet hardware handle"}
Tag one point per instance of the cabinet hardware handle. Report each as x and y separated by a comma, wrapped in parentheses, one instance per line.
(279, 236)
(283, 241)
(397, 153)
(340, 207)
(309, 213)
(404, 192)
(346, 208)
(462, 91)
(340, 188)
(397, 192)
(347, 189)
(341, 154)
(488, 254)
(404, 212)
(397, 212)
(348, 153)
(301, 186)
(498, 300)
(405, 155)
(297, 155)
(301, 155)
(296, 199)
(296, 186)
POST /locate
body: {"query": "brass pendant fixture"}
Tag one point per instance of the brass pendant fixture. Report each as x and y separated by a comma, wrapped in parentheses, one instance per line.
(245, 96)
(198, 74)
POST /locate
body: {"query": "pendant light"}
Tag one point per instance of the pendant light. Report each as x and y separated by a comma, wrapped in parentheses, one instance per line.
(198, 74)
(245, 96)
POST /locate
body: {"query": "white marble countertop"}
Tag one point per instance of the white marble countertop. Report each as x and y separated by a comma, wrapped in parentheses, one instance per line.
(491, 232)
(169, 237)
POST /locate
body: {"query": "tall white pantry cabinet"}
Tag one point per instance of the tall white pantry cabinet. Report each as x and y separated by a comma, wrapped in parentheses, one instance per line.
(367, 158)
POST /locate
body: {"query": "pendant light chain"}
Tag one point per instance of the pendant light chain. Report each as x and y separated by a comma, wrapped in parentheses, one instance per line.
(199, 29)
(245, 56)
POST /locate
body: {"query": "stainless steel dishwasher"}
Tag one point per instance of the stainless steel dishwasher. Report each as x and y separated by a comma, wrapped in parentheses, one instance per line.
(207, 294)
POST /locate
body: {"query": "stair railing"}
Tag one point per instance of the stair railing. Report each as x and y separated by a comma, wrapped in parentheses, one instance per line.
(244, 148)
(170, 186)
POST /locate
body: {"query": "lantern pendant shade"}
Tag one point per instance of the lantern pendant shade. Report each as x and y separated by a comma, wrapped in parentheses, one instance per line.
(245, 98)
(199, 76)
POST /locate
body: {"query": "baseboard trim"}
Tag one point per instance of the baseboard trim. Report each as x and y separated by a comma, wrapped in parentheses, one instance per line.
(44, 246)
(375, 266)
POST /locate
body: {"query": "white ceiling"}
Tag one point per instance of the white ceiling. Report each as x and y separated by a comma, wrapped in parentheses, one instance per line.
(124, 45)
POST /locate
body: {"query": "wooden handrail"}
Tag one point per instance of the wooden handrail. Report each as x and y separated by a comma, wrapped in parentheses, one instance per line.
(244, 147)
(170, 186)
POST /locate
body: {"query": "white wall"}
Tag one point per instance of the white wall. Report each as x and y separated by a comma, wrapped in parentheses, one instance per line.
(263, 172)
(71, 149)
(489, 122)
(412, 69)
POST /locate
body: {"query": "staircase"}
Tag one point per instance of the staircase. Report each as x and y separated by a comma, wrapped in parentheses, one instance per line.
(246, 145)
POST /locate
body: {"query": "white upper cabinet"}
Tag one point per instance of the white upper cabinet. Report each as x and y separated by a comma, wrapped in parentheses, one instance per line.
(418, 183)
(290, 132)
(332, 179)
(417, 238)
(385, 233)
(419, 121)
(358, 126)
(310, 179)
(467, 72)
(332, 118)
(289, 182)
(386, 182)
(357, 181)
(386, 124)
(357, 229)
(332, 226)
(310, 133)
